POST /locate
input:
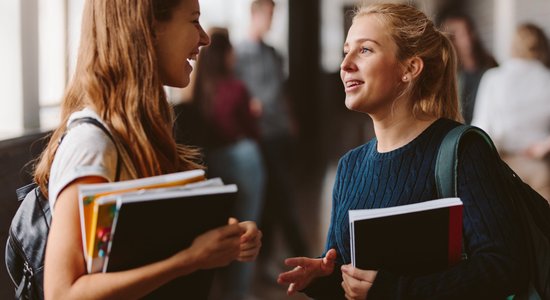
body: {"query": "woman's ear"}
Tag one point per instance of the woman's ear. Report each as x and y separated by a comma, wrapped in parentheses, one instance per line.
(413, 68)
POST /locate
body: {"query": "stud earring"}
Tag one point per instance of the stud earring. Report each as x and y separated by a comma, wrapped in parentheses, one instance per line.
(405, 78)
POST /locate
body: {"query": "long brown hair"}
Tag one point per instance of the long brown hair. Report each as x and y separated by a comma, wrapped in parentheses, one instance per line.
(117, 75)
(434, 91)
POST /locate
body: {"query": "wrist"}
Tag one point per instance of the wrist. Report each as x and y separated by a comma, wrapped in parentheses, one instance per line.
(186, 261)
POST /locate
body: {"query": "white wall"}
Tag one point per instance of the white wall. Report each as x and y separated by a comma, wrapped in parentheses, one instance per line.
(11, 98)
(19, 66)
(52, 50)
(504, 24)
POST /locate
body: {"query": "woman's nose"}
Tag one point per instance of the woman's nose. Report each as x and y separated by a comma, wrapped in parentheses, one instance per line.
(204, 38)
(348, 64)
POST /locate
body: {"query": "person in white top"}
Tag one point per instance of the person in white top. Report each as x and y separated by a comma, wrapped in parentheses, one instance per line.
(513, 106)
(128, 51)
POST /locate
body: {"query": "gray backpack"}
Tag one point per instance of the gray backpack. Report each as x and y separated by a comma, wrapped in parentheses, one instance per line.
(26, 245)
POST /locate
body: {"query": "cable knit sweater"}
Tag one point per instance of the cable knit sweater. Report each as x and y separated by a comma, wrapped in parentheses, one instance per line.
(369, 179)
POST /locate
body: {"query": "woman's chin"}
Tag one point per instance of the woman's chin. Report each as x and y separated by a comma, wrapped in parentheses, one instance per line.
(181, 83)
(351, 103)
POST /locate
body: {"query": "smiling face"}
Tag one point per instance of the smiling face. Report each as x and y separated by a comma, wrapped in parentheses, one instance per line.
(177, 41)
(370, 71)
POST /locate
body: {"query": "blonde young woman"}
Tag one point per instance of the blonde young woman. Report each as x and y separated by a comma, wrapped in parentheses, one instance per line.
(401, 71)
(128, 51)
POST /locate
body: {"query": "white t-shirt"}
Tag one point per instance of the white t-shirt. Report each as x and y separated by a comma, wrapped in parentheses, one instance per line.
(513, 104)
(85, 151)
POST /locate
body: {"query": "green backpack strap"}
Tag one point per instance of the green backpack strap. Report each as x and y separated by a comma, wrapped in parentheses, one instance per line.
(446, 171)
(446, 164)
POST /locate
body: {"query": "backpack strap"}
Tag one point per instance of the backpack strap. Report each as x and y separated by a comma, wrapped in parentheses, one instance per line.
(23, 191)
(446, 165)
(97, 123)
(446, 170)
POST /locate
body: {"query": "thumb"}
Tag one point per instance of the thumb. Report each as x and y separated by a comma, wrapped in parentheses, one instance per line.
(330, 257)
(329, 260)
(232, 221)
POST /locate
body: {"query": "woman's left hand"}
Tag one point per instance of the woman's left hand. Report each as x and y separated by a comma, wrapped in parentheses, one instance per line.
(357, 282)
(251, 241)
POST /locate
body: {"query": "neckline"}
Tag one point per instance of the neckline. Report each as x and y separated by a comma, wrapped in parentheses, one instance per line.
(390, 154)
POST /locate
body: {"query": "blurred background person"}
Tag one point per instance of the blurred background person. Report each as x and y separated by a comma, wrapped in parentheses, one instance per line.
(473, 59)
(231, 150)
(260, 67)
(513, 106)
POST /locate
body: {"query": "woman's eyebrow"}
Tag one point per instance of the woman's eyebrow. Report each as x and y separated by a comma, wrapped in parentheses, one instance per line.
(366, 40)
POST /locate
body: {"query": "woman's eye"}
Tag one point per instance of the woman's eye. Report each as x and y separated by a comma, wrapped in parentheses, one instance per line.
(365, 50)
(345, 53)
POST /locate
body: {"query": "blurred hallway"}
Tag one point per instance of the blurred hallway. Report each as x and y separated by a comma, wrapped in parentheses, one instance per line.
(312, 43)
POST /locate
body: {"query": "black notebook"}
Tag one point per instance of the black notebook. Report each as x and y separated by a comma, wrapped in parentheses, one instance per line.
(152, 226)
(409, 239)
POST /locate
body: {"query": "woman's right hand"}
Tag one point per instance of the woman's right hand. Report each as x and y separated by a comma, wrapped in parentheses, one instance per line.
(215, 248)
(306, 269)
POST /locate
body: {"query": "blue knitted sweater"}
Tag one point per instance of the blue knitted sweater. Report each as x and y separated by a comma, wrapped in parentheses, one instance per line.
(492, 237)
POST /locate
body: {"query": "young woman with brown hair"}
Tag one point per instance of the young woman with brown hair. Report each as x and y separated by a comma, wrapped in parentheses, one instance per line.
(128, 51)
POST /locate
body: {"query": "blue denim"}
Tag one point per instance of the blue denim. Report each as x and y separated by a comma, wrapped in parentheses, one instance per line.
(240, 163)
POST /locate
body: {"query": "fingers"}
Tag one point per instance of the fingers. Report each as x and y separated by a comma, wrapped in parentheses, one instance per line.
(229, 230)
(249, 252)
(251, 246)
(250, 230)
(232, 221)
(251, 242)
(297, 279)
(230, 244)
(362, 275)
(292, 289)
(348, 293)
(329, 260)
(331, 254)
(351, 288)
(356, 282)
(291, 276)
(297, 261)
(355, 289)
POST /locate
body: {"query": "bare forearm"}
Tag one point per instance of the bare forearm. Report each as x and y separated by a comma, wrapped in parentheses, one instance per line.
(131, 284)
